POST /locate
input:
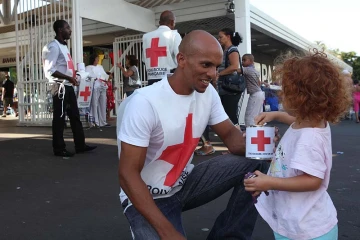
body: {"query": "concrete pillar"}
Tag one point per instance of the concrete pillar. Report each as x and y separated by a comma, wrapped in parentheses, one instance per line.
(242, 24)
(6, 12)
(77, 36)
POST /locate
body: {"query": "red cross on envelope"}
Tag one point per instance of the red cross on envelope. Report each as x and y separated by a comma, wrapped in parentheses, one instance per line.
(85, 93)
(70, 65)
(260, 140)
(154, 52)
(178, 155)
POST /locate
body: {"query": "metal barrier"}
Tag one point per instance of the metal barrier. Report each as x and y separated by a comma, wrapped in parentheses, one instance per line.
(127, 45)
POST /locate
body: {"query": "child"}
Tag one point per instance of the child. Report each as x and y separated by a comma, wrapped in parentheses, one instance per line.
(299, 207)
(257, 96)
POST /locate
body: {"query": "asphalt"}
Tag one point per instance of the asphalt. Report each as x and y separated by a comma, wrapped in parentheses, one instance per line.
(48, 197)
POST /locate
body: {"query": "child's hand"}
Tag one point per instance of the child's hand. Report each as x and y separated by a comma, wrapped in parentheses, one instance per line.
(258, 184)
(263, 118)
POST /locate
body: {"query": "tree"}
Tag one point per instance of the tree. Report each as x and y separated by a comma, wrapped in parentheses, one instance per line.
(353, 60)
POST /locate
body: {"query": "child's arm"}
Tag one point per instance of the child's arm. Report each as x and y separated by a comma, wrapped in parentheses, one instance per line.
(265, 117)
(263, 182)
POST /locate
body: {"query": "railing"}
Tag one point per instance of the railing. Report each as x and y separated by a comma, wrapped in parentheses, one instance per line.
(34, 30)
(127, 45)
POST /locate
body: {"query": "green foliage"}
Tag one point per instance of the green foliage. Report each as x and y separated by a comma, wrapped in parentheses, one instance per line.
(353, 60)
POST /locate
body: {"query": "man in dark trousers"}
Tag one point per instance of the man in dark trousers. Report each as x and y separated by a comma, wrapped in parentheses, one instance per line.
(7, 94)
(59, 70)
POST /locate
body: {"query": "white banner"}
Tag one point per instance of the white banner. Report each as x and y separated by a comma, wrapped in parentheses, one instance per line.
(85, 90)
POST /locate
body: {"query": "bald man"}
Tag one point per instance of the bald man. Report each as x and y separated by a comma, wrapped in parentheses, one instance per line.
(158, 129)
(160, 48)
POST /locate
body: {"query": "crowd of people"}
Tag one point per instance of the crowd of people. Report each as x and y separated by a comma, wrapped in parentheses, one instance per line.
(159, 127)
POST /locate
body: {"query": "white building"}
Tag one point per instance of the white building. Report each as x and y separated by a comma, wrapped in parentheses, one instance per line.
(26, 26)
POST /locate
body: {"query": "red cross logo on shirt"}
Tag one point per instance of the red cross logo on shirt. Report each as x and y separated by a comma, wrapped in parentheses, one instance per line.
(260, 140)
(154, 52)
(85, 93)
(178, 155)
(71, 65)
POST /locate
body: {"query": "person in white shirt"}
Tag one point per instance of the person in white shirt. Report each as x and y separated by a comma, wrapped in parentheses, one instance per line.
(160, 48)
(98, 100)
(158, 129)
(59, 70)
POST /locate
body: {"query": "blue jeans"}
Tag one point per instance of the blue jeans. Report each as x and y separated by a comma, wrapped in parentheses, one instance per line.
(208, 181)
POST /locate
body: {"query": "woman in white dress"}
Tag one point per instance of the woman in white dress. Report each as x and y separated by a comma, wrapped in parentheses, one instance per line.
(98, 100)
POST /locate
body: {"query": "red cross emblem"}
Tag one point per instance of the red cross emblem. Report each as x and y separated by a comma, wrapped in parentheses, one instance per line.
(154, 52)
(70, 65)
(85, 93)
(260, 140)
(178, 155)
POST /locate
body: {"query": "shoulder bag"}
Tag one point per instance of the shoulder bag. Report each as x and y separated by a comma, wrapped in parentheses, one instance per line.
(235, 83)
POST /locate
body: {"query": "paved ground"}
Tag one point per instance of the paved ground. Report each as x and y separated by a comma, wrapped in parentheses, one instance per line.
(47, 197)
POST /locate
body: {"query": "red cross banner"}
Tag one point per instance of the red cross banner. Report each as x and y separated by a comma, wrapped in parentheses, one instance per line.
(260, 142)
(85, 90)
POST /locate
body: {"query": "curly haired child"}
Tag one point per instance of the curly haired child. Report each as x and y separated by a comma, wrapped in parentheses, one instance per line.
(313, 95)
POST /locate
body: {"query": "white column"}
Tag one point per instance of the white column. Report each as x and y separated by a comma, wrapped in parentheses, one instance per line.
(242, 24)
(77, 36)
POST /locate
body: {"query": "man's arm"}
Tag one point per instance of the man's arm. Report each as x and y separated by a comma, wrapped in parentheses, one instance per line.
(233, 64)
(231, 136)
(132, 160)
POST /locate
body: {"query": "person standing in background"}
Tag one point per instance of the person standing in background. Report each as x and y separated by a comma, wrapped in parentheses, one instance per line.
(257, 96)
(130, 73)
(160, 48)
(59, 70)
(7, 94)
(229, 40)
(98, 100)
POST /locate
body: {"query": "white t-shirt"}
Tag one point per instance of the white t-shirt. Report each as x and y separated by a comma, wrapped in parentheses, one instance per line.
(301, 215)
(160, 48)
(170, 126)
(98, 72)
(56, 57)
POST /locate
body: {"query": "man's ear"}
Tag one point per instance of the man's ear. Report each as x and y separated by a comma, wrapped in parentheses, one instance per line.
(180, 59)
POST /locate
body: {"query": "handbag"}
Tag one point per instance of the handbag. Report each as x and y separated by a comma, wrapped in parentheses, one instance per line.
(133, 82)
(235, 83)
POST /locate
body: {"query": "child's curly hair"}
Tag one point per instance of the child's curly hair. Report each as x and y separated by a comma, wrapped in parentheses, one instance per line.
(312, 87)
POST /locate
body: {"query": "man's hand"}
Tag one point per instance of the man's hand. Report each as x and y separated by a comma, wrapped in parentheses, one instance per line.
(258, 184)
(73, 81)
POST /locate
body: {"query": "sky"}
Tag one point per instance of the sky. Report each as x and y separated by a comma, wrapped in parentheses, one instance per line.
(333, 22)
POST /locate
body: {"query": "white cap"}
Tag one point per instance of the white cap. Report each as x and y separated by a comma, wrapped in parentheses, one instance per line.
(81, 67)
